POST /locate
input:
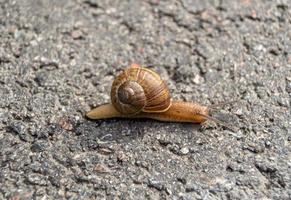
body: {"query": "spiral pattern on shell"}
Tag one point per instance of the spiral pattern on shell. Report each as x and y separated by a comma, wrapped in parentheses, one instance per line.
(139, 89)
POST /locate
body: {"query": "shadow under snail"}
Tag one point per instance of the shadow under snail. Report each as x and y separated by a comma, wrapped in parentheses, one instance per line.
(139, 92)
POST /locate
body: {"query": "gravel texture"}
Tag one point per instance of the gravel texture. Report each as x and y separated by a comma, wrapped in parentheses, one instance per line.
(58, 59)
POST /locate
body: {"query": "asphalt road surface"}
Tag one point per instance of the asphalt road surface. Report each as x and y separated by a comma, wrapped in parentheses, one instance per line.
(58, 59)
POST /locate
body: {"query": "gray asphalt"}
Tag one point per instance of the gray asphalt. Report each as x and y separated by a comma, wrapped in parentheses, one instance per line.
(58, 59)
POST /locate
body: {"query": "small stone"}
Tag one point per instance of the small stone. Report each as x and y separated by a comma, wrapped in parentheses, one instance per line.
(268, 143)
(12, 29)
(165, 141)
(139, 179)
(101, 169)
(38, 147)
(22, 195)
(36, 179)
(196, 79)
(192, 188)
(92, 3)
(143, 164)
(184, 151)
(105, 151)
(45, 62)
(55, 180)
(288, 87)
(255, 148)
(66, 124)
(121, 157)
(20, 129)
(77, 34)
(260, 47)
(283, 102)
(40, 79)
(156, 184)
(168, 191)
(182, 180)
(78, 24)
(238, 112)
(17, 128)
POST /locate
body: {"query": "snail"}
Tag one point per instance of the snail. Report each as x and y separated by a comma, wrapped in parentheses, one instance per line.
(139, 92)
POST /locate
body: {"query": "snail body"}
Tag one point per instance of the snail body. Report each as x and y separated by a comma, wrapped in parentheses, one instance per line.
(139, 92)
(178, 112)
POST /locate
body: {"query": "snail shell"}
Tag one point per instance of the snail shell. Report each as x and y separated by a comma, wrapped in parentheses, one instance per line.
(139, 89)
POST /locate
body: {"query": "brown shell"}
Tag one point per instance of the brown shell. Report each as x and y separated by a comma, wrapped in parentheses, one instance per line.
(140, 89)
